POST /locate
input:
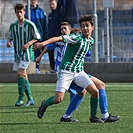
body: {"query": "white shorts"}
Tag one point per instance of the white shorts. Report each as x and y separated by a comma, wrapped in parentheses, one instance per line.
(65, 78)
(22, 64)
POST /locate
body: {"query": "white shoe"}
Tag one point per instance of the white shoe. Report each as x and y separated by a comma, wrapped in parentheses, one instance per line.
(37, 70)
(30, 102)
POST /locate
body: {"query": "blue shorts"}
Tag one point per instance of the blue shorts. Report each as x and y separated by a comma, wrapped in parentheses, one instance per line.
(75, 88)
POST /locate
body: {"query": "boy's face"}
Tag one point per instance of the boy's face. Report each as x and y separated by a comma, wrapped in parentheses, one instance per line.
(33, 3)
(53, 5)
(65, 30)
(20, 14)
(86, 28)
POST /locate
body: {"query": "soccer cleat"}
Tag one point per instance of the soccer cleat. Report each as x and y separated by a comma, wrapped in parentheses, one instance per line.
(96, 120)
(68, 119)
(30, 102)
(41, 110)
(111, 118)
(19, 103)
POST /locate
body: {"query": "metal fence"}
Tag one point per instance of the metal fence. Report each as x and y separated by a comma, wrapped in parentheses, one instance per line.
(120, 39)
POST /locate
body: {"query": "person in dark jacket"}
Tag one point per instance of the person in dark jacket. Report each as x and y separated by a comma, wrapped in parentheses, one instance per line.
(53, 28)
(39, 18)
(68, 11)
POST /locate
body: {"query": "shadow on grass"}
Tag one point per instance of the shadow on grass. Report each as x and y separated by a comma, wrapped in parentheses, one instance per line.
(19, 107)
(127, 90)
(38, 123)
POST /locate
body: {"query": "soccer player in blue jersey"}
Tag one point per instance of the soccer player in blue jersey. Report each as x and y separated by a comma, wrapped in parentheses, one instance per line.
(75, 98)
(23, 33)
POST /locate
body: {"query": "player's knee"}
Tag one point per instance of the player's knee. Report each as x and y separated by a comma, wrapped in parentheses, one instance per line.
(19, 74)
(82, 93)
(94, 92)
(101, 85)
(58, 100)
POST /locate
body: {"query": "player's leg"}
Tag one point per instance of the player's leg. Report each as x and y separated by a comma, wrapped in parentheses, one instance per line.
(27, 90)
(72, 92)
(103, 102)
(102, 96)
(75, 102)
(50, 101)
(62, 85)
(37, 53)
(21, 83)
(84, 81)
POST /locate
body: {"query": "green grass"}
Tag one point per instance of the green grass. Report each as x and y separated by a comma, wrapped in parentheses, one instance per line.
(24, 119)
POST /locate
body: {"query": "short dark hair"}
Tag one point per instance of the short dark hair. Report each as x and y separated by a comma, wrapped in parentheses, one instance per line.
(65, 23)
(86, 17)
(75, 30)
(19, 7)
(52, 0)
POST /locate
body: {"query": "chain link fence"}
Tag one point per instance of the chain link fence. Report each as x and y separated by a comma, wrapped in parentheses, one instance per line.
(120, 47)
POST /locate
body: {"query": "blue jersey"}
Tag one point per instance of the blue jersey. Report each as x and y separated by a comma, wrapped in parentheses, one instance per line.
(61, 47)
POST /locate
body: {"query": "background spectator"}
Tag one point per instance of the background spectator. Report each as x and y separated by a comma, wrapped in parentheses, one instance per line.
(38, 16)
(53, 28)
(69, 12)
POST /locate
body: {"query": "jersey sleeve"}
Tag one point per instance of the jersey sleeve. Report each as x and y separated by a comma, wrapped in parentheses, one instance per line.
(71, 38)
(35, 32)
(9, 34)
(51, 46)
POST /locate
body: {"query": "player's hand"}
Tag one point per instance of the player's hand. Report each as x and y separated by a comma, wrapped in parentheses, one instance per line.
(38, 59)
(37, 45)
(8, 44)
(24, 47)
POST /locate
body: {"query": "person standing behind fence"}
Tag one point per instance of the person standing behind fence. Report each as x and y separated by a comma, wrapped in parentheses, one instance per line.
(39, 17)
(23, 33)
(53, 28)
(68, 11)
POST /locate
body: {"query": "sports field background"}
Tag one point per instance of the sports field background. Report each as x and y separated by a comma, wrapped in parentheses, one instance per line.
(24, 119)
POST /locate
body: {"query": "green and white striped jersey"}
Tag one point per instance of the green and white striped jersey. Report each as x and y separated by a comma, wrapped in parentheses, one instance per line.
(76, 50)
(20, 35)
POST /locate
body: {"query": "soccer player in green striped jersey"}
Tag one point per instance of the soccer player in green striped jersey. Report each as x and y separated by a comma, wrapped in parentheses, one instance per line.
(71, 67)
(23, 33)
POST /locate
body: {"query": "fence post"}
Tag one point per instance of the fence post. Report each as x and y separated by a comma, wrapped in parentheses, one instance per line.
(95, 32)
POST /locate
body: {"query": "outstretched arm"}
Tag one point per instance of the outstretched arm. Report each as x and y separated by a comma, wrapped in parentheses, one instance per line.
(45, 50)
(39, 45)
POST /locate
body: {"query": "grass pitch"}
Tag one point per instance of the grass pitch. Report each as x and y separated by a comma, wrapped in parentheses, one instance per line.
(24, 119)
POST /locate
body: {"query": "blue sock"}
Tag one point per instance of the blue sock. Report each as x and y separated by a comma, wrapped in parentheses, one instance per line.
(74, 104)
(103, 103)
(72, 92)
(71, 96)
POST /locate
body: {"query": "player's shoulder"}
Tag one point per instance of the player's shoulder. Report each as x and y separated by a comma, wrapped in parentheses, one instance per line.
(91, 40)
(29, 22)
(14, 23)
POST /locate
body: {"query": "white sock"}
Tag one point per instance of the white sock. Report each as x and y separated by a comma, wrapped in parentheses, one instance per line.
(105, 116)
(66, 116)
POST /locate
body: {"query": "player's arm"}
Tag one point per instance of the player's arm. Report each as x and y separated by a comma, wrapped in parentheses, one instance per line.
(28, 44)
(9, 39)
(8, 44)
(49, 47)
(49, 41)
(45, 50)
